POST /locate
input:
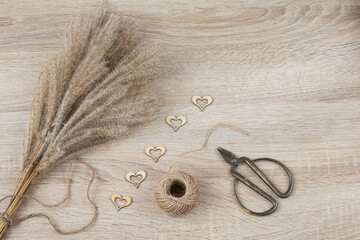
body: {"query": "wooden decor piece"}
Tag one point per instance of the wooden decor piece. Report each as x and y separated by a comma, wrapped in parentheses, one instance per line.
(118, 196)
(168, 120)
(148, 150)
(208, 100)
(131, 174)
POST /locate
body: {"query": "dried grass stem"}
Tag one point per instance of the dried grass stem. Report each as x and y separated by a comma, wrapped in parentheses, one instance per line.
(93, 92)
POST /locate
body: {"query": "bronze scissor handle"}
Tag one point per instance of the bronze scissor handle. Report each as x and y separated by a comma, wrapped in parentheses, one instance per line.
(251, 164)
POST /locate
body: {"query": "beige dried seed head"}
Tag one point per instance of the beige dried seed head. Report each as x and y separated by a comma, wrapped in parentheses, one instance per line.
(94, 92)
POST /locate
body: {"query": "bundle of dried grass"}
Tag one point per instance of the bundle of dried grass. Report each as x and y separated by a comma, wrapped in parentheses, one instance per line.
(93, 92)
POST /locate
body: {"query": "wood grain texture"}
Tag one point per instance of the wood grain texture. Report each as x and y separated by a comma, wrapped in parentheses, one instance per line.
(285, 71)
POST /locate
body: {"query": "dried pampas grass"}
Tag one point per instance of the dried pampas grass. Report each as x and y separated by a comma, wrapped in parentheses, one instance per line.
(95, 91)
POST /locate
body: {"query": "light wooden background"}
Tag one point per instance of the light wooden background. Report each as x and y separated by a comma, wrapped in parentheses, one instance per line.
(288, 72)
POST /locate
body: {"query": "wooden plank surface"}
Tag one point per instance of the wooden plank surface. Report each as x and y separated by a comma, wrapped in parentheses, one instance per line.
(285, 71)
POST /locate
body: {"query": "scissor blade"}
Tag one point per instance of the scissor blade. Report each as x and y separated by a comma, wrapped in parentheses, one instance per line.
(227, 155)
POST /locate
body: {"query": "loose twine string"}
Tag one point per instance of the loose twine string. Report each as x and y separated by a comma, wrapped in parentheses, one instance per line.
(181, 206)
(210, 132)
(8, 220)
(208, 135)
(173, 205)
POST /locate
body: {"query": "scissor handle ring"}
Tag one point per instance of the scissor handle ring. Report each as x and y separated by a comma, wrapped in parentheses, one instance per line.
(239, 177)
(259, 191)
(271, 185)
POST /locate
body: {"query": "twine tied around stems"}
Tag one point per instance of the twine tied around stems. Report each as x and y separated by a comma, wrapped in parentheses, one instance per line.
(5, 218)
(8, 220)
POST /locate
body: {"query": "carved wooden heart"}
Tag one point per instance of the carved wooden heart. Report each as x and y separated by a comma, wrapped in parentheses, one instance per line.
(168, 120)
(127, 199)
(148, 150)
(208, 99)
(139, 173)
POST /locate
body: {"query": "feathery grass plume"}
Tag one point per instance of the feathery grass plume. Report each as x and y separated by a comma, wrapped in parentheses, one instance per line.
(93, 92)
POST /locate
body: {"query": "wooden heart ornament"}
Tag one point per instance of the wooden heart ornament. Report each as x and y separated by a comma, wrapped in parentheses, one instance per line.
(208, 100)
(127, 199)
(148, 150)
(139, 173)
(168, 120)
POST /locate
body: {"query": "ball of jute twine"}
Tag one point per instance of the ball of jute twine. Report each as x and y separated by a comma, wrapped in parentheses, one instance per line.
(177, 193)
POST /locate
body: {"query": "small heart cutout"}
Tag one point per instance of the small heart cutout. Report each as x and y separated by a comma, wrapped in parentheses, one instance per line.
(148, 150)
(170, 118)
(127, 199)
(139, 173)
(208, 100)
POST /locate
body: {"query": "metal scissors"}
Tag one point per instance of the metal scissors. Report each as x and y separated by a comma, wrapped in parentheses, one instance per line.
(234, 161)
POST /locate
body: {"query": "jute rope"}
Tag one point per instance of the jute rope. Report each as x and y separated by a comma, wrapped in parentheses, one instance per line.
(177, 193)
(8, 220)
